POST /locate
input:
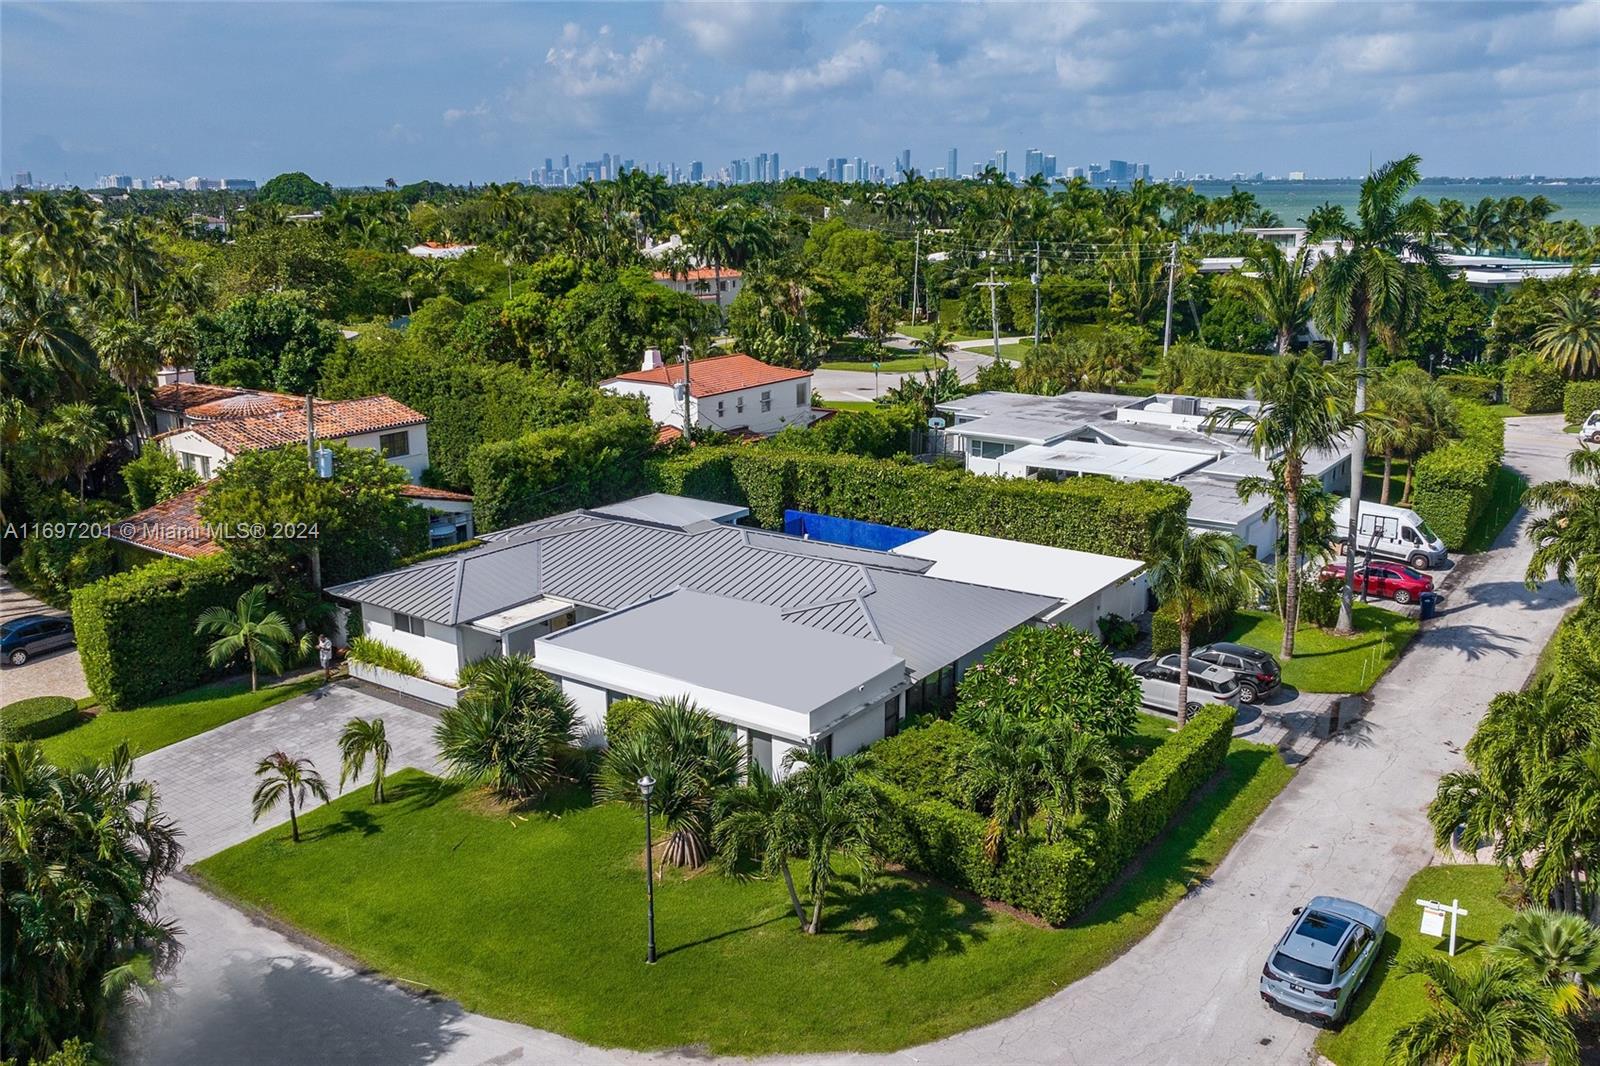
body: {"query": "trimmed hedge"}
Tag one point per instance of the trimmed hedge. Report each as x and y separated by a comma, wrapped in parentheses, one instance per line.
(553, 470)
(624, 716)
(384, 656)
(1471, 387)
(36, 717)
(1165, 636)
(1086, 514)
(925, 758)
(1533, 386)
(1055, 881)
(136, 633)
(1455, 482)
(1581, 399)
(1481, 427)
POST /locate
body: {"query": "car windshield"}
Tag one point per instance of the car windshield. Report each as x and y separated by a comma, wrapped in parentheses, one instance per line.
(1414, 575)
(1290, 966)
(1427, 534)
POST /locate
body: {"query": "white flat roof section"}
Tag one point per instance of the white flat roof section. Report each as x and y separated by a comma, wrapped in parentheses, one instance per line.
(1216, 503)
(523, 614)
(1067, 575)
(1081, 457)
(681, 511)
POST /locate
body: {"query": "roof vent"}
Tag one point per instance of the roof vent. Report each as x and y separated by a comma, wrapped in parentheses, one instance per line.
(652, 359)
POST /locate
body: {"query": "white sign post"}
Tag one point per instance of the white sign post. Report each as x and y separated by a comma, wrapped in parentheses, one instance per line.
(1433, 913)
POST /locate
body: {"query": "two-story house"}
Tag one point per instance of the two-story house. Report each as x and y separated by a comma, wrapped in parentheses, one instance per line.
(729, 393)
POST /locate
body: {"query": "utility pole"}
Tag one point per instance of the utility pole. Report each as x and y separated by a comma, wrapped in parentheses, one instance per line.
(916, 263)
(994, 288)
(1172, 279)
(1037, 270)
(311, 460)
(683, 353)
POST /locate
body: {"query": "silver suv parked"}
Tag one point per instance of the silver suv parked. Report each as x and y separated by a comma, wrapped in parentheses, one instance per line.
(1319, 963)
(1158, 682)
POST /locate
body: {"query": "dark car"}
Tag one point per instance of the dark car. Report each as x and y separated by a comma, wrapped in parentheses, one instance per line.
(1257, 672)
(34, 634)
(1396, 581)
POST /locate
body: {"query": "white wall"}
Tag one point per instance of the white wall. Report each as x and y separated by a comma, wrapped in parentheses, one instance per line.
(413, 463)
(191, 443)
(436, 650)
(791, 406)
(857, 732)
(591, 703)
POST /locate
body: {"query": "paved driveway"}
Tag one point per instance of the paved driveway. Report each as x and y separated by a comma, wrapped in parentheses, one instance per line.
(968, 358)
(56, 673)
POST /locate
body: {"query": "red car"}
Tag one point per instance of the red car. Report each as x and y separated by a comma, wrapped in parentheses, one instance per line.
(1396, 581)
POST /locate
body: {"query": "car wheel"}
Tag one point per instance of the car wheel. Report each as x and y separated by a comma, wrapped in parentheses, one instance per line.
(1419, 561)
(1248, 694)
(18, 657)
(1402, 596)
(1194, 709)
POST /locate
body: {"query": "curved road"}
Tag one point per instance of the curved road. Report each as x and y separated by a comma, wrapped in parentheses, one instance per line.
(1351, 823)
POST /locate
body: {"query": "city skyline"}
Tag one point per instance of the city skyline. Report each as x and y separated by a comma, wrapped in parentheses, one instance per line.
(470, 93)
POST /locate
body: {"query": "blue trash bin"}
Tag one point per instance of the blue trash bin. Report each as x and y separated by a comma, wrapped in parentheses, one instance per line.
(1429, 603)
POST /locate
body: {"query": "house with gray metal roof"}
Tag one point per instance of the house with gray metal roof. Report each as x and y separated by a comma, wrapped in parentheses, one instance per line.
(616, 603)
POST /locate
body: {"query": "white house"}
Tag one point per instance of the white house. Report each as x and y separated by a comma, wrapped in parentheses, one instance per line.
(730, 393)
(704, 283)
(793, 642)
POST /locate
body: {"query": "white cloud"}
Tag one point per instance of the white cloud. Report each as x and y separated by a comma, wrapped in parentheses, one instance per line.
(452, 115)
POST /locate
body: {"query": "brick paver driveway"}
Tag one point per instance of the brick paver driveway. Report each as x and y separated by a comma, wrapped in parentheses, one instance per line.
(55, 673)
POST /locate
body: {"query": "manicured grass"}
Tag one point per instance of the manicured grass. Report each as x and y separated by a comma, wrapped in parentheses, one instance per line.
(920, 330)
(849, 405)
(1504, 410)
(1508, 489)
(168, 720)
(1324, 661)
(539, 917)
(887, 366)
(1385, 1003)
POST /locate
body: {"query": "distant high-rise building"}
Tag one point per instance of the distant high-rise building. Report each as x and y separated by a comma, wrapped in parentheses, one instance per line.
(1297, 175)
(697, 171)
(1000, 160)
(1097, 174)
(1074, 172)
(810, 173)
(1050, 166)
(22, 179)
(902, 162)
(1033, 162)
(1118, 171)
(1141, 171)
(245, 184)
(775, 172)
(951, 170)
(861, 169)
(848, 172)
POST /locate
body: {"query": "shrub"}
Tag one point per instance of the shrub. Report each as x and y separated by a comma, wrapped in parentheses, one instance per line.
(1086, 514)
(39, 716)
(1319, 601)
(1452, 485)
(1581, 399)
(623, 717)
(136, 633)
(1471, 387)
(1165, 634)
(1118, 633)
(557, 469)
(925, 758)
(950, 316)
(1481, 427)
(1533, 386)
(1049, 672)
(879, 432)
(384, 656)
(1158, 786)
(155, 477)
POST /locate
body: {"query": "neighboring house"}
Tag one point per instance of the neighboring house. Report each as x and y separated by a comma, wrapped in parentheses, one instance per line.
(730, 393)
(437, 250)
(703, 283)
(793, 642)
(171, 528)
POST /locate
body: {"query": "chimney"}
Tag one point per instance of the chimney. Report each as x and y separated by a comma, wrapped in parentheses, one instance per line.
(652, 359)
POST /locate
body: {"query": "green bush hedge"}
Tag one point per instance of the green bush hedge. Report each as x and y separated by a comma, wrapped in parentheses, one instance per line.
(384, 656)
(1533, 386)
(553, 470)
(1471, 386)
(1481, 427)
(1165, 635)
(925, 758)
(39, 716)
(136, 633)
(1054, 881)
(1581, 399)
(1452, 485)
(624, 716)
(1086, 514)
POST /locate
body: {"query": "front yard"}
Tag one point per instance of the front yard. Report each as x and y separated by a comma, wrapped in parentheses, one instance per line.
(539, 917)
(1324, 661)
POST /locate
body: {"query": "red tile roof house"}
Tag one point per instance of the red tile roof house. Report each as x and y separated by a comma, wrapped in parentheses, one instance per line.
(702, 283)
(730, 393)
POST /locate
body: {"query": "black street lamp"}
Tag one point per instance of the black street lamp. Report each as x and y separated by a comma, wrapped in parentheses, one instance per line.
(647, 785)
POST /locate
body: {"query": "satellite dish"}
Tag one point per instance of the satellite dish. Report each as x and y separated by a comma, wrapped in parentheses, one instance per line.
(936, 423)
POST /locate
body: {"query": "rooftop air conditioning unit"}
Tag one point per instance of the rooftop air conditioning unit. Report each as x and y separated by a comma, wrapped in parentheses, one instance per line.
(1185, 405)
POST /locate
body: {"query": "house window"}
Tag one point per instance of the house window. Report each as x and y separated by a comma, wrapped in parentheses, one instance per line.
(766, 400)
(988, 449)
(891, 716)
(395, 445)
(205, 468)
(800, 397)
(738, 405)
(825, 745)
(722, 408)
(408, 623)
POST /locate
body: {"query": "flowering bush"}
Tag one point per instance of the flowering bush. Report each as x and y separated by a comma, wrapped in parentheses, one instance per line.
(1051, 672)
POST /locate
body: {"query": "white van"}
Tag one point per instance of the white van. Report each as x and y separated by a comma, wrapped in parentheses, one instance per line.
(1391, 533)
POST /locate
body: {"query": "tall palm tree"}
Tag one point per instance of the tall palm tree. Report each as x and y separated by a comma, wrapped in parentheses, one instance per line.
(1372, 282)
(716, 238)
(751, 830)
(131, 358)
(1080, 771)
(1561, 949)
(285, 777)
(1568, 332)
(1004, 773)
(360, 738)
(1201, 573)
(1304, 408)
(251, 628)
(936, 343)
(1566, 526)
(1278, 289)
(828, 814)
(1490, 1014)
(79, 431)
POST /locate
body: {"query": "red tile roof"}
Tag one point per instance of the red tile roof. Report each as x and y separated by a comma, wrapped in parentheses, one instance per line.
(169, 528)
(698, 274)
(182, 395)
(423, 492)
(715, 375)
(668, 435)
(245, 405)
(335, 419)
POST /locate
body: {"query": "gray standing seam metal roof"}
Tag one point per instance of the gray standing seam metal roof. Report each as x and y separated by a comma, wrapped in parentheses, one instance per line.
(610, 563)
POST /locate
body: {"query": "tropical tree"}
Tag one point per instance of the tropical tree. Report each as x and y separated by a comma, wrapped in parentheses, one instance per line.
(286, 778)
(1566, 526)
(1278, 288)
(1568, 331)
(1004, 774)
(83, 853)
(828, 812)
(361, 738)
(1080, 772)
(692, 757)
(261, 634)
(1199, 573)
(512, 729)
(131, 358)
(1561, 950)
(1493, 1013)
(78, 432)
(1416, 414)
(1304, 408)
(936, 343)
(752, 831)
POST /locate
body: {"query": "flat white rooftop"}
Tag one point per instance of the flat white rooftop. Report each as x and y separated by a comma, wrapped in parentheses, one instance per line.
(1069, 576)
(1082, 457)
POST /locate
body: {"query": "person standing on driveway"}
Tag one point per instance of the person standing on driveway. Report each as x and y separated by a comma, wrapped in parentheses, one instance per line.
(325, 653)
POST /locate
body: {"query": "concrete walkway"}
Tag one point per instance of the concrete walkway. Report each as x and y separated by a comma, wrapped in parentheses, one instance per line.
(1351, 823)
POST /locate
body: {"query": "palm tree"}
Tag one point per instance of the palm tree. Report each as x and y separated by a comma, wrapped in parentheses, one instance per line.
(1568, 332)
(936, 343)
(1303, 409)
(1371, 282)
(286, 777)
(1201, 573)
(1278, 289)
(360, 738)
(716, 239)
(692, 757)
(1004, 773)
(1562, 950)
(131, 358)
(251, 628)
(79, 432)
(1080, 771)
(512, 729)
(750, 831)
(1566, 527)
(1490, 1014)
(828, 813)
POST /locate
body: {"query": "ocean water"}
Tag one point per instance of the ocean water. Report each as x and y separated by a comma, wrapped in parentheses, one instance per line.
(1293, 200)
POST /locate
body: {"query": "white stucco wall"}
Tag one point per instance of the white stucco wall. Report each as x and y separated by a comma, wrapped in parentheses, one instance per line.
(191, 443)
(791, 405)
(436, 649)
(858, 731)
(591, 703)
(413, 463)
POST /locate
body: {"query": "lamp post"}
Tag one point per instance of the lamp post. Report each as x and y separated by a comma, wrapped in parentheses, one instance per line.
(647, 785)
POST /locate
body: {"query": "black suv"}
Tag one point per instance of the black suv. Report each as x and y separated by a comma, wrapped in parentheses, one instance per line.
(1256, 671)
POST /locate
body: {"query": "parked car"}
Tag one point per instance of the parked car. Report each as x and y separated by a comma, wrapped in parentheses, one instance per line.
(1257, 673)
(1395, 581)
(34, 634)
(1158, 682)
(1590, 432)
(1318, 964)
(1387, 532)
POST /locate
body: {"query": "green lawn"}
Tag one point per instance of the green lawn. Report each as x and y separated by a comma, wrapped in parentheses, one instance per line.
(849, 405)
(168, 720)
(539, 918)
(1508, 489)
(1504, 410)
(920, 330)
(1385, 1003)
(888, 366)
(1323, 661)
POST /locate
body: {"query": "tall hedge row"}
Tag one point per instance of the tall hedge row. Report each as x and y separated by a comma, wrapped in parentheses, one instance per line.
(136, 633)
(1085, 514)
(1454, 483)
(1533, 386)
(1581, 399)
(551, 470)
(1055, 881)
(1471, 386)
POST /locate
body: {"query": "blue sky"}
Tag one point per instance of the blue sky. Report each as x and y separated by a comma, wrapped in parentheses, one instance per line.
(357, 92)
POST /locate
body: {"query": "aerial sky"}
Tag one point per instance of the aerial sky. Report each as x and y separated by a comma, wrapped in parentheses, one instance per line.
(354, 93)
